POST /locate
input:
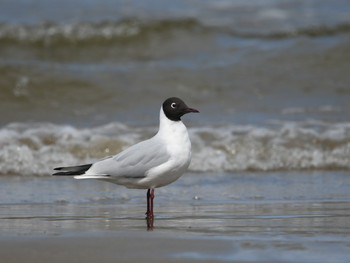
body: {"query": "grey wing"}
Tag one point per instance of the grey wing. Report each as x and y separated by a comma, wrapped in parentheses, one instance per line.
(133, 162)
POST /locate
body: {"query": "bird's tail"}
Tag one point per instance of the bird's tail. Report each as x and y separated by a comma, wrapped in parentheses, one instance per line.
(72, 170)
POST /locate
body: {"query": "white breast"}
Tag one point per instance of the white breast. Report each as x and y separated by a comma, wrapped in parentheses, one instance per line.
(175, 136)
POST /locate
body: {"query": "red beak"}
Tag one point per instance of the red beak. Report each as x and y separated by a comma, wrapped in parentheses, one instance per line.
(188, 110)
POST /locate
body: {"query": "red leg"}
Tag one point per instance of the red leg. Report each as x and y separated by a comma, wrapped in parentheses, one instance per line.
(149, 213)
(150, 197)
(148, 202)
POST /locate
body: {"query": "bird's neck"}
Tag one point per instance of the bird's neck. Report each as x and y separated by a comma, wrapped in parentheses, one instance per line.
(169, 128)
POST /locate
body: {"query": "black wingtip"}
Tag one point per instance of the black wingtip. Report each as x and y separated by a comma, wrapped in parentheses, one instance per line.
(72, 170)
(65, 174)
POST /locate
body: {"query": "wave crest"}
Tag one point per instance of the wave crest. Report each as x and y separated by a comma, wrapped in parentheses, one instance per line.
(90, 33)
(132, 29)
(34, 149)
(291, 146)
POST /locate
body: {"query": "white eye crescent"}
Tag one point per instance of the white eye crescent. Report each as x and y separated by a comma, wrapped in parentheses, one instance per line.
(173, 105)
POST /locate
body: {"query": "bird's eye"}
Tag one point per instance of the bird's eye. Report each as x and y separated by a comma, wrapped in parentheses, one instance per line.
(173, 105)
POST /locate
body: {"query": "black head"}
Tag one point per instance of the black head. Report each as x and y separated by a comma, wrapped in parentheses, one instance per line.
(174, 108)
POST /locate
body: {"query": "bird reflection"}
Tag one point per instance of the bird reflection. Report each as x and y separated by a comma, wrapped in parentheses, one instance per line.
(150, 222)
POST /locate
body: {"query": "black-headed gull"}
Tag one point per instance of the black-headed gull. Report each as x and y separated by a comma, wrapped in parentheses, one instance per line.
(149, 164)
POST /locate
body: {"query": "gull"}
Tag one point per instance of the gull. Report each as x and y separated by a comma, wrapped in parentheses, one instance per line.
(149, 164)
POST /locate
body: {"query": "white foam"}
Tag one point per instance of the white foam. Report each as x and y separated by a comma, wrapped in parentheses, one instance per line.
(288, 146)
(38, 148)
(35, 149)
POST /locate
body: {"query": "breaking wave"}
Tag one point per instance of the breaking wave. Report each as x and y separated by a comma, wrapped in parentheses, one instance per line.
(289, 146)
(311, 31)
(109, 32)
(49, 34)
(34, 149)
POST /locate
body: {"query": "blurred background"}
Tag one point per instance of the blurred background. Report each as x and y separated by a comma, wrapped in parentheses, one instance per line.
(81, 79)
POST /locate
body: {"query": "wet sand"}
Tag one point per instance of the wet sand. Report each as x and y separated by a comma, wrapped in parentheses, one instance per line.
(116, 247)
(248, 217)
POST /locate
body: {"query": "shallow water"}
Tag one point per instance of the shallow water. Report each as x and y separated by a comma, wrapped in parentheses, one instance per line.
(279, 217)
(84, 81)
